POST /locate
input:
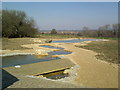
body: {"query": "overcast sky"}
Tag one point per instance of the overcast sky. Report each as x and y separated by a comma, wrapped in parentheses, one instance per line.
(68, 15)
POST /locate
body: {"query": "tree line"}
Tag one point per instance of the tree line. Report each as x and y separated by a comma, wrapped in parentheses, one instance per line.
(103, 31)
(17, 24)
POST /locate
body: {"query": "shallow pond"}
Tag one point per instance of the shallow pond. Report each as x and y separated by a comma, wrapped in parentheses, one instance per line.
(48, 46)
(24, 59)
(60, 52)
(73, 40)
(28, 59)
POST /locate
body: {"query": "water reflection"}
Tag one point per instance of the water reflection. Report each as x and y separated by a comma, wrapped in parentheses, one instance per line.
(24, 59)
(73, 40)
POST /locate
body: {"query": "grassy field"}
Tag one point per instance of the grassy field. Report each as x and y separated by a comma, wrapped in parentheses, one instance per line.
(107, 50)
(57, 36)
(15, 43)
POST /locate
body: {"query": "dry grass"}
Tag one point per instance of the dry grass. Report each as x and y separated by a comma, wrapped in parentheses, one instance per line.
(15, 43)
(57, 36)
(107, 50)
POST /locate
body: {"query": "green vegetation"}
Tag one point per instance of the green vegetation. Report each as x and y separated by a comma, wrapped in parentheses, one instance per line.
(109, 38)
(17, 24)
(107, 50)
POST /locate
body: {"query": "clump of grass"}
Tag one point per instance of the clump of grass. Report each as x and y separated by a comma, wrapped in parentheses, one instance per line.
(107, 50)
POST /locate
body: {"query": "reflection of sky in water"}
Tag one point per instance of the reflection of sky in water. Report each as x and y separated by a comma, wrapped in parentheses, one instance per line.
(24, 59)
(73, 40)
(28, 59)
(47, 46)
(60, 52)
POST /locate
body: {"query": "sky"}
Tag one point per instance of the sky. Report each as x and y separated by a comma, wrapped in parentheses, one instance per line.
(68, 15)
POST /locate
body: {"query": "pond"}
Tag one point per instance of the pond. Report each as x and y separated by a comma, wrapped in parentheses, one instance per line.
(15, 60)
(24, 59)
(73, 40)
(48, 46)
(61, 50)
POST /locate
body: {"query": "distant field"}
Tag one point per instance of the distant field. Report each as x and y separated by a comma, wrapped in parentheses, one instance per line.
(57, 36)
(107, 50)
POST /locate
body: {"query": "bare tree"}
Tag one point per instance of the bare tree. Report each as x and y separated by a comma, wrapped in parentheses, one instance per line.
(85, 31)
(85, 28)
(115, 29)
(107, 27)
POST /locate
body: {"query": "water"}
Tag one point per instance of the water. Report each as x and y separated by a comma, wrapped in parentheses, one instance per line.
(28, 59)
(47, 46)
(24, 59)
(55, 75)
(73, 40)
(60, 52)
(9, 61)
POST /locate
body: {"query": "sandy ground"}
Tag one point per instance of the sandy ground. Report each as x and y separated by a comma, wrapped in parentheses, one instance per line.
(92, 72)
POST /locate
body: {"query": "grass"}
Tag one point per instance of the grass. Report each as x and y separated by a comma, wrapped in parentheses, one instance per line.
(15, 43)
(57, 36)
(111, 38)
(107, 50)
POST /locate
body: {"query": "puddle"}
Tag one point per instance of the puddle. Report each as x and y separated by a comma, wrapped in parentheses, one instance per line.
(24, 59)
(54, 75)
(73, 40)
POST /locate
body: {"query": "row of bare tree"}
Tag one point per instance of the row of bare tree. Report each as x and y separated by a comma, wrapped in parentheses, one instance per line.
(18, 24)
(103, 31)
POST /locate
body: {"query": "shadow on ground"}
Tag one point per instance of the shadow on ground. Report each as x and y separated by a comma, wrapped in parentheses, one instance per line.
(7, 79)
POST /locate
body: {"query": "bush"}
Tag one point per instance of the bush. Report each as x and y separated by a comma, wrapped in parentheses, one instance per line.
(53, 31)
